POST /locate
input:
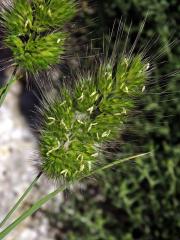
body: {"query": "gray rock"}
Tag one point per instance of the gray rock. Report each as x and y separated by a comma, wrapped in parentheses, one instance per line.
(17, 145)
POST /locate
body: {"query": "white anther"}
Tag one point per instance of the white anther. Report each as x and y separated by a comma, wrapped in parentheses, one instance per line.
(92, 94)
(41, 7)
(63, 123)
(54, 149)
(106, 134)
(124, 111)
(95, 155)
(147, 66)
(65, 172)
(143, 88)
(91, 125)
(62, 103)
(82, 167)
(108, 74)
(90, 110)
(126, 61)
(81, 122)
(28, 22)
(122, 75)
(122, 85)
(110, 85)
(89, 165)
(52, 120)
(81, 97)
(126, 89)
(49, 12)
(79, 156)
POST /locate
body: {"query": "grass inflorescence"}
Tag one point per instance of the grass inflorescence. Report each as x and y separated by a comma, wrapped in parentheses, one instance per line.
(77, 124)
(34, 31)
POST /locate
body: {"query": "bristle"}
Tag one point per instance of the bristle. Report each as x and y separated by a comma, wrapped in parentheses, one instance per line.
(77, 125)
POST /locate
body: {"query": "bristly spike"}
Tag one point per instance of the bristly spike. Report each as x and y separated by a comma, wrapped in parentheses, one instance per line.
(33, 32)
(90, 115)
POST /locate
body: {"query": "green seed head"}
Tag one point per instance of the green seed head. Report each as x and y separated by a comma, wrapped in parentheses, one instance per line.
(77, 125)
(33, 31)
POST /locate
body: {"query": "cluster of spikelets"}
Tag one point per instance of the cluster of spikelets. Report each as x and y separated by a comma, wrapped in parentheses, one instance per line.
(77, 125)
(33, 31)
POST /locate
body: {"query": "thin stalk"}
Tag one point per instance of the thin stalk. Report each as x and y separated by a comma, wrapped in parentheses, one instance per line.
(51, 195)
(4, 90)
(119, 161)
(20, 200)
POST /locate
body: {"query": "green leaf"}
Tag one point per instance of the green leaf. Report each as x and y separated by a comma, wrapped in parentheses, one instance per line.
(4, 90)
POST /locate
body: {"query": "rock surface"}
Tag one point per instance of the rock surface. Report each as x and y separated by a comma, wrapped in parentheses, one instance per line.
(17, 144)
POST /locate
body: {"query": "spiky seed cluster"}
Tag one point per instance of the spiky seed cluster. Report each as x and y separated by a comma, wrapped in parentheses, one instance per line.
(33, 31)
(78, 124)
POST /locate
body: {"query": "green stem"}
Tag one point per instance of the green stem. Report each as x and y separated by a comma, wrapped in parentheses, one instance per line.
(51, 195)
(4, 90)
(119, 161)
(20, 200)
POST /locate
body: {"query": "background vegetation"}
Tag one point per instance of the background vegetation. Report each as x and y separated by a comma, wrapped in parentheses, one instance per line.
(135, 202)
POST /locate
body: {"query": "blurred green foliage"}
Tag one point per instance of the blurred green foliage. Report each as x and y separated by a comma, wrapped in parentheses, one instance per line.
(140, 202)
